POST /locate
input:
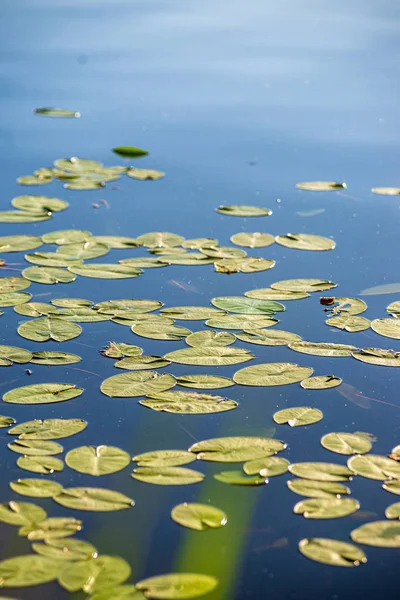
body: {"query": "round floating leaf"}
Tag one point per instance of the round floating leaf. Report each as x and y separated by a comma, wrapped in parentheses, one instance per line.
(21, 513)
(12, 354)
(115, 241)
(6, 421)
(384, 534)
(198, 243)
(77, 165)
(71, 302)
(393, 511)
(14, 298)
(145, 262)
(112, 307)
(100, 460)
(204, 382)
(49, 259)
(55, 329)
(266, 467)
(145, 174)
(378, 356)
(321, 382)
(37, 204)
(305, 241)
(83, 250)
(192, 313)
(42, 393)
(392, 486)
(236, 449)
(37, 488)
(393, 308)
(208, 338)
(57, 112)
(93, 574)
(241, 322)
(81, 315)
(188, 403)
(271, 294)
(317, 489)
(224, 252)
(303, 285)
(20, 216)
(40, 464)
(53, 528)
(322, 348)
(66, 236)
(130, 319)
(253, 240)
(54, 358)
(321, 186)
(247, 306)
(49, 275)
(160, 239)
(177, 585)
(240, 478)
(27, 570)
(119, 350)
(243, 210)
(96, 499)
(326, 508)
(13, 284)
(387, 327)
(187, 258)
(209, 356)
(275, 337)
(157, 331)
(142, 383)
(120, 592)
(321, 471)
(66, 549)
(164, 458)
(243, 265)
(346, 443)
(332, 552)
(374, 466)
(386, 191)
(35, 309)
(297, 416)
(269, 374)
(348, 306)
(87, 183)
(105, 271)
(141, 363)
(129, 151)
(35, 447)
(49, 429)
(167, 475)
(19, 243)
(198, 516)
(350, 324)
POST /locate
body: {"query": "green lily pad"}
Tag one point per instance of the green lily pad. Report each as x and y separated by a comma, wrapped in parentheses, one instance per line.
(52, 528)
(54, 358)
(387, 327)
(188, 403)
(346, 443)
(305, 241)
(141, 383)
(27, 570)
(42, 393)
(88, 183)
(100, 460)
(326, 508)
(71, 302)
(119, 350)
(187, 258)
(321, 471)
(129, 151)
(19, 243)
(157, 331)
(198, 243)
(145, 262)
(208, 338)
(373, 466)
(40, 464)
(49, 259)
(37, 488)
(81, 315)
(83, 250)
(269, 374)
(93, 499)
(247, 306)
(321, 382)
(253, 240)
(14, 298)
(12, 354)
(321, 186)
(115, 241)
(141, 363)
(266, 467)
(66, 236)
(322, 348)
(105, 271)
(38, 204)
(35, 447)
(21, 513)
(393, 308)
(303, 285)
(77, 165)
(244, 210)
(297, 416)
(6, 421)
(347, 306)
(35, 309)
(192, 313)
(266, 337)
(66, 549)
(198, 516)
(21, 216)
(241, 322)
(317, 489)
(378, 356)
(240, 478)
(243, 265)
(271, 294)
(49, 275)
(177, 585)
(13, 284)
(223, 252)
(42, 330)
(393, 511)
(204, 382)
(112, 307)
(164, 458)
(120, 592)
(167, 475)
(386, 191)
(332, 552)
(145, 174)
(236, 449)
(49, 429)
(93, 574)
(160, 239)
(209, 356)
(350, 324)
(57, 112)
(383, 534)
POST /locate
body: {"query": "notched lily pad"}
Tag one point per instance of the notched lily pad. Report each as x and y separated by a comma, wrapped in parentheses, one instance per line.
(204, 382)
(97, 460)
(177, 585)
(42, 393)
(52, 328)
(141, 383)
(94, 499)
(383, 534)
(298, 416)
(167, 475)
(322, 348)
(37, 488)
(326, 508)
(346, 443)
(240, 478)
(373, 466)
(209, 356)
(40, 464)
(164, 458)
(321, 382)
(332, 552)
(317, 489)
(48, 429)
(198, 516)
(244, 210)
(236, 449)
(321, 186)
(270, 374)
(321, 471)
(188, 403)
(378, 356)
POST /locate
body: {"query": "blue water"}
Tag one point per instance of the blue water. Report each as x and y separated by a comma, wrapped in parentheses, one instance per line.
(236, 102)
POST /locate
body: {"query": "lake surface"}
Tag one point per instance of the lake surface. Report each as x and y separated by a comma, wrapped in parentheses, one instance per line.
(236, 102)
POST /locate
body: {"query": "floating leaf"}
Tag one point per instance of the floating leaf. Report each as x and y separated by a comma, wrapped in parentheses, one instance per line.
(393, 511)
(209, 356)
(105, 271)
(49, 429)
(6, 421)
(40, 464)
(42, 393)
(374, 466)
(393, 308)
(350, 324)
(187, 258)
(113, 307)
(141, 383)
(93, 574)
(71, 302)
(87, 183)
(12, 354)
(129, 151)
(303, 285)
(347, 306)
(266, 467)
(77, 165)
(49, 259)
(160, 239)
(378, 356)
(209, 338)
(305, 241)
(192, 313)
(322, 348)
(157, 331)
(13, 284)
(140, 363)
(167, 475)
(27, 570)
(53, 528)
(383, 534)
(321, 186)
(177, 585)
(223, 252)
(247, 306)
(164, 458)
(244, 210)
(275, 337)
(20, 216)
(346, 443)
(14, 298)
(204, 382)
(188, 403)
(321, 382)
(326, 508)
(35, 309)
(19, 243)
(35, 447)
(387, 327)
(119, 350)
(240, 478)
(55, 329)
(392, 486)
(54, 358)
(49, 275)
(100, 460)
(96, 499)
(332, 552)
(253, 240)
(198, 516)
(66, 236)
(83, 250)
(243, 265)
(198, 243)
(386, 191)
(115, 241)
(37, 488)
(241, 322)
(145, 262)
(268, 374)
(57, 112)
(236, 449)
(37, 204)
(81, 315)
(297, 416)
(145, 174)
(120, 592)
(271, 294)
(317, 489)
(66, 549)
(21, 513)
(321, 471)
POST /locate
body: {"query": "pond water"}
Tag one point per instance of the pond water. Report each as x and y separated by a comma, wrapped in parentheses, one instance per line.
(236, 102)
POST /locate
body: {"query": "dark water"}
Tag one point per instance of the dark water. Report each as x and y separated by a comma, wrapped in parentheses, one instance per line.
(236, 101)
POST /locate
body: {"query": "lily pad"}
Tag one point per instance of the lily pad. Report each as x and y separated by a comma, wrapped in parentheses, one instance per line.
(37, 488)
(297, 416)
(347, 306)
(266, 467)
(198, 516)
(145, 174)
(52, 528)
(322, 348)
(208, 338)
(66, 549)
(37, 204)
(35, 309)
(13, 284)
(247, 306)
(266, 337)
(6, 421)
(54, 358)
(350, 324)
(105, 271)
(164, 458)
(240, 478)
(42, 393)
(317, 489)
(141, 363)
(129, 151)
(119, 350)
(21, 216)
(253, 240)
(192, 313)
(145, 262)
(392, 486)
(93, 499)
(386, 191)
(157, 331)
(269, 374)
(57, 112)
(243, 265)
(49, 275)
(326, 508)
(321, 471)
(12, 354)
(113, 307)
(387, 327)
(42, 330)
(93, 574)
(373, 466)
(321, 382)
(21, 513)
(19, 243)
(40, 464)
(346, 443)
(27, 570)
(83, 250)
(241, 322)
(378, 356)
(115, 241)
(14, 298)
(244, 210)
(160, 239)
(204, 382)
(383, 534)
(35, 447)
(271, 294)
(188, 403)
(66, 236)
(49, 259)
(120, 592)
(49, 429)
(100, 460)
(303, 285)
(332, 552)
(236, 449)
(141, 383)
(209, 356)
(177, 585)
(198, 243)
(167, 475)
(305, 241)
(321, 186)
(393, 511)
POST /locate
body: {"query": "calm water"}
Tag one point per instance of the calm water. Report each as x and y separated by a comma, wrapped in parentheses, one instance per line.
(237, 101)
